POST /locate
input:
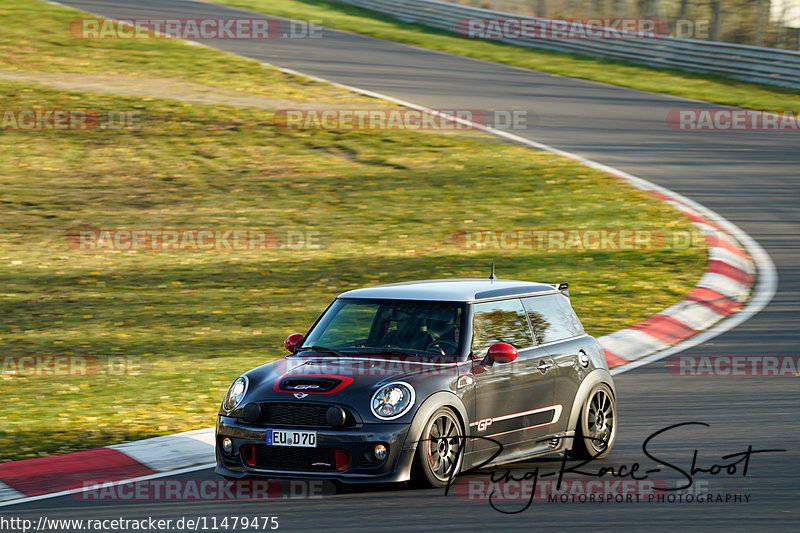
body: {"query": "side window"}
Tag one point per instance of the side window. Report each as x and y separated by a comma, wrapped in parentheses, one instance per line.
(502, 321)
(552, 318)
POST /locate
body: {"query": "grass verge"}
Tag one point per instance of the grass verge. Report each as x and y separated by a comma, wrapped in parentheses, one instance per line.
(168, 331)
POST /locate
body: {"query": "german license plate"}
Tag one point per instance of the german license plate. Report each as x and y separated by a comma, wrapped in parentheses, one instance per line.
(281, 437)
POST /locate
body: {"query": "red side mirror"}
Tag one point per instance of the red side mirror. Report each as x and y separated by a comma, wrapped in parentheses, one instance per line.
(502, 352)
(293, 341)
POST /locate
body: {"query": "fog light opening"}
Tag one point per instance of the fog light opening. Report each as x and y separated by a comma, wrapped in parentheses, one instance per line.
(380, 452)
(227, 446)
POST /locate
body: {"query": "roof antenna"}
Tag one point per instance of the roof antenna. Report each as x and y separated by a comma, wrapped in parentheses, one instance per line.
(492, 276)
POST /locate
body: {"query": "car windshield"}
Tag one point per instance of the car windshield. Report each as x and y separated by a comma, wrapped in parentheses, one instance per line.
(388, 327)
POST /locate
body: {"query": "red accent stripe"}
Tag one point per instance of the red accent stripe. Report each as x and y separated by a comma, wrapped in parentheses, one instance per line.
(71, 471)
(715, 301)
(726, 269)
(713, 241)
(552, 421)
(540, 409)
(518, 430)
(665, 328)
(346, 380)
(614, 360)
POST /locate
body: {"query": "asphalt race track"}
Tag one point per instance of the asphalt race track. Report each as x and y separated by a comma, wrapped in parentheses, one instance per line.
(751, 178)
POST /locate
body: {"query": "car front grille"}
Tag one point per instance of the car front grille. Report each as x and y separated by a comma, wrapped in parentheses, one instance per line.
(298, 415)
(291, 458)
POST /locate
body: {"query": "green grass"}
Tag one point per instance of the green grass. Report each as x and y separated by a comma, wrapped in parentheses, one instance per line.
(696, 86)
(46, 45)
(385, 204)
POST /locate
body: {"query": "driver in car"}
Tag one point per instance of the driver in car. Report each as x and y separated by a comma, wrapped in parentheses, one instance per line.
(410, 333)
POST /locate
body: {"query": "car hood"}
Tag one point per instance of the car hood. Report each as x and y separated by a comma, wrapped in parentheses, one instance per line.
(337, 379)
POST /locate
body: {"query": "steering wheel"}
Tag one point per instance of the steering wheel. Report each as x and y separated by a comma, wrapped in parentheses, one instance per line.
(440, 342)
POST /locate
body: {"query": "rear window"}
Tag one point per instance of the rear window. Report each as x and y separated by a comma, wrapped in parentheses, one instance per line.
(552, 318)
(500, 321)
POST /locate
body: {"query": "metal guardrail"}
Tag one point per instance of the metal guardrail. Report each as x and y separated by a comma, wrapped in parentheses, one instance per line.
(771, 66)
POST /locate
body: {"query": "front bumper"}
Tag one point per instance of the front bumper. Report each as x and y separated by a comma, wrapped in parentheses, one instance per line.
(299, 462)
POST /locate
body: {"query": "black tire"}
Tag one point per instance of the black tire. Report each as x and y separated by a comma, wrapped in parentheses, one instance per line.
(596, 430)
(437, 457)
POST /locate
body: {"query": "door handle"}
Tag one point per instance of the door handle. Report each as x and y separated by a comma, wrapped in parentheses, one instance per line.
(544, 367)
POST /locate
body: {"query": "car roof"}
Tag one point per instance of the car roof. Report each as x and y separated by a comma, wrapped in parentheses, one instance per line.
(451, 290)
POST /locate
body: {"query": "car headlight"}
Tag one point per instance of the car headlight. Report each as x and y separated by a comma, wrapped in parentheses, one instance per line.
(392, 401)
(235, 393)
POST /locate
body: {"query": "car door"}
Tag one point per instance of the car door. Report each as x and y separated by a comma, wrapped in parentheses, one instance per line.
(513, 401)
(558, 330)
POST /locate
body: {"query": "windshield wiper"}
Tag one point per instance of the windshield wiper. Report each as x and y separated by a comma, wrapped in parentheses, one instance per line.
(397, 351)
(322, 349)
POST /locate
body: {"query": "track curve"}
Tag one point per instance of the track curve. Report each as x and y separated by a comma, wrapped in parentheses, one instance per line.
(749, 178)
